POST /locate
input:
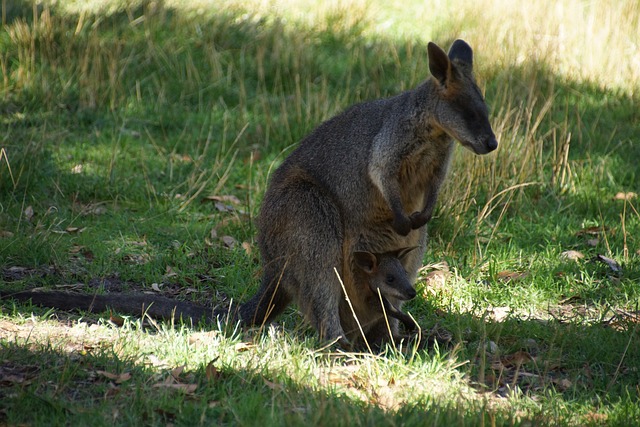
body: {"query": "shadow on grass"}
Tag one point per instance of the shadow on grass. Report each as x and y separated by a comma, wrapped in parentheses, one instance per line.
(89, 384)
(561, 363)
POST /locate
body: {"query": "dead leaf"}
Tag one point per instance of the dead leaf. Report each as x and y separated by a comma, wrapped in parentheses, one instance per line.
(4, 234)
(571, 255)
(229, 241)
(498, 314)
(437, 279)
(516, 359)
(221, 207)
(224, 199)
(508, 276)
(182, 157)
(176, 372)
(186, 388)
(77, 169)
(28, 213)
(613, 265)
(497, 365)
(272, 385)
(211, 372)
(593, 242)
(243, 346)
(247, 248)
(74, 229)
(169, 272)
(597, 418)
(562, 384)
(155, 287)
(75, 249)
(155, 361)
(625, 196)
(138, 259)
(594, 231)
(116, 320)
(118, 378)
(92, 209)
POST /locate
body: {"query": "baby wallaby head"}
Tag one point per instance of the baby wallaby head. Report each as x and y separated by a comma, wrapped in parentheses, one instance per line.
(385, 273)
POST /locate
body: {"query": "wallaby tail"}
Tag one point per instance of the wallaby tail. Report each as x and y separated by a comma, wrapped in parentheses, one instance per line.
(132, 304)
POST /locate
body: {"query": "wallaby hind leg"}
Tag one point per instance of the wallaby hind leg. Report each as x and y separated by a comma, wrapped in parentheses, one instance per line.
(380, 333)
(301, 231)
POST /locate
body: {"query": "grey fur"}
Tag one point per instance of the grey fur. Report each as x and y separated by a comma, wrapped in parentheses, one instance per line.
(365, 180)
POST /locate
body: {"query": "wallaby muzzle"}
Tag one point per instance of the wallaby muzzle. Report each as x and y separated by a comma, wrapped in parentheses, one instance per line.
(490, 144)
(409, 294)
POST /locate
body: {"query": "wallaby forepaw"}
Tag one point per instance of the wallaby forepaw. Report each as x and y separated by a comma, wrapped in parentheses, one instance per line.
(419, 219)
(402, 225)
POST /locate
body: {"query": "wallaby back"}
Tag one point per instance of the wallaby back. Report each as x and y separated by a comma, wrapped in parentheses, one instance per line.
(365, 180)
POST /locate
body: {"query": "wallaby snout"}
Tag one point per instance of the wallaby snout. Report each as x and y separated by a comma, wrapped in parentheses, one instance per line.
(410, 294)
(491, 143)
(486, 146)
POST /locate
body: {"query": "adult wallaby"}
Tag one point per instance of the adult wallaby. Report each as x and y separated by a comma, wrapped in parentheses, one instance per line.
(365, 180)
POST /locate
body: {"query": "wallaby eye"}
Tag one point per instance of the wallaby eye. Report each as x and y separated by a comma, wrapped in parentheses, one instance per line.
(390, 278)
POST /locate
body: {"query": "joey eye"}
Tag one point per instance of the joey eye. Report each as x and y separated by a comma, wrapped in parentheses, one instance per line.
(390, 278)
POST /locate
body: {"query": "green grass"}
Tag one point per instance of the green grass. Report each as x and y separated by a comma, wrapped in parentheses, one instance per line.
(118, 121)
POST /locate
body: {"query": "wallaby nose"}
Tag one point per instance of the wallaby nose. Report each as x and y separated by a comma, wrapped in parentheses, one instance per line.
(491, 143)
(411, 293)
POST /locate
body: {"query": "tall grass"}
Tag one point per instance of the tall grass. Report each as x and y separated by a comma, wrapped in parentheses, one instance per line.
(163, 60)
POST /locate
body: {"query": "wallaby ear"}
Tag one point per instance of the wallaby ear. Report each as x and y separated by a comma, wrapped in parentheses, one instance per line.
(439, 63)
(406, 251)
(366, 261)
(462, 52)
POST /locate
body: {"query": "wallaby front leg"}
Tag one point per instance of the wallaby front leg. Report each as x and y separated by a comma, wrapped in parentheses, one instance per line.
(384, 166)
(393, 311)
(402, 224)
(419, 219)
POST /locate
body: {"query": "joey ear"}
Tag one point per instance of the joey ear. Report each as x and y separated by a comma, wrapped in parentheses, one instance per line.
(366, 261)
(462, 52)
(439, 63)
(406, 251)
